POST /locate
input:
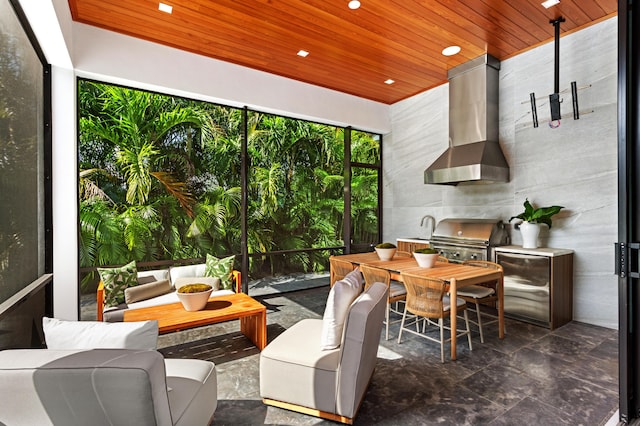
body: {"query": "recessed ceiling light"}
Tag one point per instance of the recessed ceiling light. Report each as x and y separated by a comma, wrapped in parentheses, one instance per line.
(302, 53)
(451, 50)
(354, 4)
(547, 4)
(389, 81)
(165, 8)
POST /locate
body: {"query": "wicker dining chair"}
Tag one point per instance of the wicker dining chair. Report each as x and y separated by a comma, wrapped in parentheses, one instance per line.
(427, 300)
(481, 294)
(397, 291)
(339, 269)
(442, 259)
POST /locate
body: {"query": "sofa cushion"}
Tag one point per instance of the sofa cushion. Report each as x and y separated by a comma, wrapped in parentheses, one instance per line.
(196, 270)
(146, 277)
(193, 390)
(146, 291)
(214, 282)
(222, 269)
(116, 280)
(61, 334)
(341, 295)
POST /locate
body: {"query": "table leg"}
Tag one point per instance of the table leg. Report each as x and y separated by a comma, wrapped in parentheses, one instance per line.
(255, 328)
(501, 307)
(453, 296)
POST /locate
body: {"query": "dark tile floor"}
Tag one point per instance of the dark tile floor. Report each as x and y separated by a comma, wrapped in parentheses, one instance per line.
(532, 377)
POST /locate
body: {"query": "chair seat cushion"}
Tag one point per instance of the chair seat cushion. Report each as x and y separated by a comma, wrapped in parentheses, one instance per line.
(396, 289)
(193, 390)
(446, 303)
(476, 291)
(293, 368)
(302, 336)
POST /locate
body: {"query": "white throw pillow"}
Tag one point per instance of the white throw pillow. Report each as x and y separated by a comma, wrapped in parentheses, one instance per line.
(145, 277)
(61, 334)
(186, 271)
(342, 294)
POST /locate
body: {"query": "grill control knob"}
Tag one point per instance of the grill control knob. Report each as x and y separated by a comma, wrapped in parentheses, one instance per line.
(474, 256)
(456, 254)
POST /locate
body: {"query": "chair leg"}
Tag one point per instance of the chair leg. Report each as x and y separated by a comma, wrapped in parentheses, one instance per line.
(466, 320)
(387, 321)
(441, 324)
(479, 321)
(404, 315)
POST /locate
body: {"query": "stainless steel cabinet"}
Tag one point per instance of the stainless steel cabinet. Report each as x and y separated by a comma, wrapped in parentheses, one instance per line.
(538, 284)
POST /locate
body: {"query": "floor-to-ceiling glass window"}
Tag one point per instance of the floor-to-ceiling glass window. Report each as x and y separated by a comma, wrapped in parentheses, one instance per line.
(161, 182)
(366, 195)
(295, 200)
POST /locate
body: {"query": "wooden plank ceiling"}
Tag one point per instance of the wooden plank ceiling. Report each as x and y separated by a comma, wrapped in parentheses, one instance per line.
(351, 51)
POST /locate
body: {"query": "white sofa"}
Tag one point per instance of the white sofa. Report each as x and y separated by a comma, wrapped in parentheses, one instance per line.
(174, 275)
(104, 387)
(296, 374)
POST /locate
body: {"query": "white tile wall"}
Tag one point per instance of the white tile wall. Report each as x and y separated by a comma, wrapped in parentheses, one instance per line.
(574, 165)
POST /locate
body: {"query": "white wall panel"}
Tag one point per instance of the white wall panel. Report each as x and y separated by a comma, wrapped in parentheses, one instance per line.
(574, 165)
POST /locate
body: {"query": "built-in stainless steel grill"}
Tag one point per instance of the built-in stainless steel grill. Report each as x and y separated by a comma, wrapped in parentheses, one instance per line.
(468, 239)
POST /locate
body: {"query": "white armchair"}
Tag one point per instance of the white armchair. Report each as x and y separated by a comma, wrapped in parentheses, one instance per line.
(296, 374)
(104, 387)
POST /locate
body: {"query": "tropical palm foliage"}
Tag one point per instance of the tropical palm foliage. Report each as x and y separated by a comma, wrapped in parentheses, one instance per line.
(160, 179)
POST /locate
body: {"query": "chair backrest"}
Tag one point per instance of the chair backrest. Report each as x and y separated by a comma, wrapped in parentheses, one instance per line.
(359, 348)
(403, 254)
(374, 275)
(424, 295)
(76, 387)
(485, 264)
(339, 269)
(442, 259)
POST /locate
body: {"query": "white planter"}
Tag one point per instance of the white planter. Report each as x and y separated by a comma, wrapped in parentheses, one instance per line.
(386, 253)
(194, 301)
(530, 232)
(426, 260)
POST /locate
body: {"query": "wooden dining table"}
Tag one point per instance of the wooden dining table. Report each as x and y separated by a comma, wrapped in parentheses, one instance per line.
(456, 274)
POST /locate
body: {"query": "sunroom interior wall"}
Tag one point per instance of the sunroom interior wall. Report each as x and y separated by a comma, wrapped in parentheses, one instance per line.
(574, 165)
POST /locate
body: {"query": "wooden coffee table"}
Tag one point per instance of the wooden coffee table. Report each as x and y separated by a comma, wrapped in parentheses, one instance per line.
(251, 313)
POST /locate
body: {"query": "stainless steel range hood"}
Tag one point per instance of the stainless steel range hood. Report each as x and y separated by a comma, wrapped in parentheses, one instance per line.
(474, 154)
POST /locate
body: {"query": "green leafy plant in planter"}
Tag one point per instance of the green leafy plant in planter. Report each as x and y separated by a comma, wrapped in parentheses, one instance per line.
(386, 245)
(194, 297)
(426, 257)
(194, 288)
(386, 251)
(426, 251)
(537, 215)
(531, 220)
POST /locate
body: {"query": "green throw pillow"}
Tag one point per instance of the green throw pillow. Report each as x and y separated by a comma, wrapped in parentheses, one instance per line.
(220, 268)
(116, 280)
